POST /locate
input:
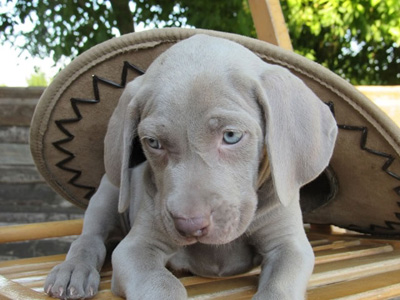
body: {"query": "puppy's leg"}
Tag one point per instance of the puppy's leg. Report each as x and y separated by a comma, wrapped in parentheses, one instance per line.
(139, 261)
(288, 258)
(78, 276)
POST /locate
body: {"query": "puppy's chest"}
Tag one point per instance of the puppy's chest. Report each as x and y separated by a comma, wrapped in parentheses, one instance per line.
(216, 261)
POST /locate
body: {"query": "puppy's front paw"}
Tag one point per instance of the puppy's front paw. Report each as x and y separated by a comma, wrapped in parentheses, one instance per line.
(72, 280)
(148, 286)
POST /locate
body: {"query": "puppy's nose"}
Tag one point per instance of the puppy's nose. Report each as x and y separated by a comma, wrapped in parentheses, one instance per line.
(192, 227)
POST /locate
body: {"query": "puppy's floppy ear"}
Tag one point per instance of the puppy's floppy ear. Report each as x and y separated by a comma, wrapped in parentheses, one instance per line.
(118, 142)
(300, 131)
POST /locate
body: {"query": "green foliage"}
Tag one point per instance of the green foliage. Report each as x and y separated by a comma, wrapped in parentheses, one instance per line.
(37, 79)
(357, 39)
(69, 27)
(60, 27)
(229, 16)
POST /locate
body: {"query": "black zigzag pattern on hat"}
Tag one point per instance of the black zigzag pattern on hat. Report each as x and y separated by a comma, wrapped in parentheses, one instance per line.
(390, 225)
(59, 145)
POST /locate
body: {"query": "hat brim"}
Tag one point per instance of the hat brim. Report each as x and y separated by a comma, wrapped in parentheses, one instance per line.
(70, 122)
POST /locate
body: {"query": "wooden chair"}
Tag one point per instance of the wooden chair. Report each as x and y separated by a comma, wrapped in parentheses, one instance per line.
(348, 266)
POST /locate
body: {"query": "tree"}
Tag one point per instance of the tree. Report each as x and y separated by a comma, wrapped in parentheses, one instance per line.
(358, 40)
(69, 27)
(37, 79)
(229, 16)
(63, 27)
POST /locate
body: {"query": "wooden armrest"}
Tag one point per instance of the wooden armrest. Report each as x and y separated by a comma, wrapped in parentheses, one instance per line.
(37, 231)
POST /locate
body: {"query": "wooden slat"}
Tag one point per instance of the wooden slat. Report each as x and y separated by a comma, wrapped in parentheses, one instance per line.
(319, 242)
(31, 276)
(30, 263)
(106, 295)
(336, 245)
(238, 295)
(14, 291)
(354, 268)
(380, 286)
(364, 239)
(223, 288)
(351, 252)
(270, 23)
(18, 233)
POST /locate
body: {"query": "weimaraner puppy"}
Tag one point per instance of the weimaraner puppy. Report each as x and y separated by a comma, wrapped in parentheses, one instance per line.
(208, 113)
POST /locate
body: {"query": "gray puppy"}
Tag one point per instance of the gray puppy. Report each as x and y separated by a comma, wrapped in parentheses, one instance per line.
(208, 113)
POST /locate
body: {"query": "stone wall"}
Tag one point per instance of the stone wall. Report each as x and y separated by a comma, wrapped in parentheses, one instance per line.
(24, 195)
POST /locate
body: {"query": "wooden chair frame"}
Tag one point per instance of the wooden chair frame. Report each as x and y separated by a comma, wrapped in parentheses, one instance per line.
(346, 267)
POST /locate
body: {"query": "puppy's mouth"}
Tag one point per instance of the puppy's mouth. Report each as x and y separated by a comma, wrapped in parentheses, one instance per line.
(203, 239)
(182, 239)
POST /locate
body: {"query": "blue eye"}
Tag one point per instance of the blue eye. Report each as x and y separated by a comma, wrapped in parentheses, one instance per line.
(232, 137)
(153, 143)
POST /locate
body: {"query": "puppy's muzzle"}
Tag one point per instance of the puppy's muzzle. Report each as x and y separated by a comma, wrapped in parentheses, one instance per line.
(192, 227)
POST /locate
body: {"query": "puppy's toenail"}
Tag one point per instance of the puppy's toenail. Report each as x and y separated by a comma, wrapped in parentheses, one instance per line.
(48, 289)
(72, 291)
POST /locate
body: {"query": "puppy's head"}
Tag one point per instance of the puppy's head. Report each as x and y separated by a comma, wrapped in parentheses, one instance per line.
(205, 112)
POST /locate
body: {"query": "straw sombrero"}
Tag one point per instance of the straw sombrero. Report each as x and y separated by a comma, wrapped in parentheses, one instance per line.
(359, 191)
